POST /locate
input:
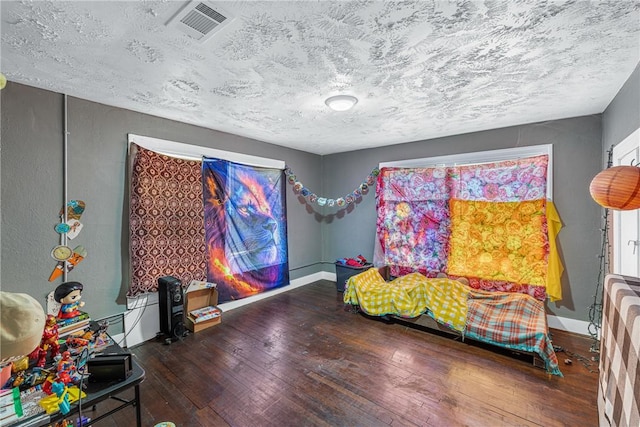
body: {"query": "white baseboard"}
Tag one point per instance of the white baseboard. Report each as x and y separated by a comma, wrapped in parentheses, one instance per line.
(295, 283)
(142, 318)
(570, 325)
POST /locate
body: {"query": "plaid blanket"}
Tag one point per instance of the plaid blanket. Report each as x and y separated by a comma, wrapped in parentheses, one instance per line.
(376, 297)
(510, 320)
(446, 299)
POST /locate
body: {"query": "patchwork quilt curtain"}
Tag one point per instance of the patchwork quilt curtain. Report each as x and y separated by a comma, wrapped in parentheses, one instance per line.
(413, 222)
(245, 228)
(487, 222)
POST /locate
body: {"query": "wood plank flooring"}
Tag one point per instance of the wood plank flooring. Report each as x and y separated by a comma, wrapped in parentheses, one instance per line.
(301, 358)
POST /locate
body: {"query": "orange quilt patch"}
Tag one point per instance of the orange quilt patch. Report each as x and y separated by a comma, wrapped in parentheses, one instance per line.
(504, 241)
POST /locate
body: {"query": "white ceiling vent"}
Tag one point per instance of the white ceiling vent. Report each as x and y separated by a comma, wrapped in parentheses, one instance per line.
(200, 20)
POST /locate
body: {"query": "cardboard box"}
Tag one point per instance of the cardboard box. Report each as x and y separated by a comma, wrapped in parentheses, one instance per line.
(200, 294)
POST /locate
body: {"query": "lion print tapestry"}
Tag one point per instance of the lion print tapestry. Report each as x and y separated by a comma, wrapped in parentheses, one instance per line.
(245, 228)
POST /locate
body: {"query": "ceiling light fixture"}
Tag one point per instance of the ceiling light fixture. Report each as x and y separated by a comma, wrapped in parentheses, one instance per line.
(341, 102)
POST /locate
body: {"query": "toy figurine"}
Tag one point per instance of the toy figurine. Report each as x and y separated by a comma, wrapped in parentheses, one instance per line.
(48, 343)
(69, 294)
(66, 369)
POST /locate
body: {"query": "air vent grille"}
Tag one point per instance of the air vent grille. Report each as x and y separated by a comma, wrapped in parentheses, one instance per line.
(201, 7)
(199, 23)
(200, 20)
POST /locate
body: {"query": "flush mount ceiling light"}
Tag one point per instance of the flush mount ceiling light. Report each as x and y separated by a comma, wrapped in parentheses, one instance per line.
(341, 102)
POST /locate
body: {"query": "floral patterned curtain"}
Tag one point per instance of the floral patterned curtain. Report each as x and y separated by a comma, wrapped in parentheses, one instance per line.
(486, 222)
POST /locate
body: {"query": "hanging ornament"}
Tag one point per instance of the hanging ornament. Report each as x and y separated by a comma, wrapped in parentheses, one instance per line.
(62, 228)
(61, 253)
(348, 199)
(75, 208)
(617, 187)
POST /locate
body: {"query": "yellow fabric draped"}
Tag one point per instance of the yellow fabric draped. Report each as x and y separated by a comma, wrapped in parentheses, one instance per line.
(501, 241)
(554, 264)
(409, 296)
(377, 297)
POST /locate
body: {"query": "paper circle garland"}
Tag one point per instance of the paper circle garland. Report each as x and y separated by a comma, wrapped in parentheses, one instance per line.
(312, 197)
(617, 188)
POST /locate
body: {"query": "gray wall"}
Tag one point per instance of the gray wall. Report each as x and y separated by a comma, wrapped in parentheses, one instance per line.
(32, 191)
(576, 160)
(622, 116)
(31, 177)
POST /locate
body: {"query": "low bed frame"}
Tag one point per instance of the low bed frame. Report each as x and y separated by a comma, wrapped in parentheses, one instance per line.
(426, 323)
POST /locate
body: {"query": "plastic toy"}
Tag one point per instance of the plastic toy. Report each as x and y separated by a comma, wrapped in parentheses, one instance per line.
(49, 342)
(61, 399)
(69, 294)
(66, 369)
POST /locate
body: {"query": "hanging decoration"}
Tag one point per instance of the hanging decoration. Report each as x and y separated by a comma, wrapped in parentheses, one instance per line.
(347, 199)
(617, 187)
(486, 222)
(245, 224)
(68, 227)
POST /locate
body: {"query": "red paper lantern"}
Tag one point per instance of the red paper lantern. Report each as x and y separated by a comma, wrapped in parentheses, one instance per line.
(617, 187)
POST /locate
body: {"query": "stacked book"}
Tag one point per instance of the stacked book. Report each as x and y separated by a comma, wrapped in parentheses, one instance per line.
(73, 324)
(204, 313)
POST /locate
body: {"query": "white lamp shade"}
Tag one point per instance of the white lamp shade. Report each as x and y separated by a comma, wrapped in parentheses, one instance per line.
(341, 102)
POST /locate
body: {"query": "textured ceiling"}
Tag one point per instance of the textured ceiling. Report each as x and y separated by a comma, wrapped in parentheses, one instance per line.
(420, 69)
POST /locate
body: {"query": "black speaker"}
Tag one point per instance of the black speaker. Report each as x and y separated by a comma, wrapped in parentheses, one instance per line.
(171, 307)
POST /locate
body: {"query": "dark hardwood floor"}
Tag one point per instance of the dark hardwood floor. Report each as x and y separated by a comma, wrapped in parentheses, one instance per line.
(301, 358)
